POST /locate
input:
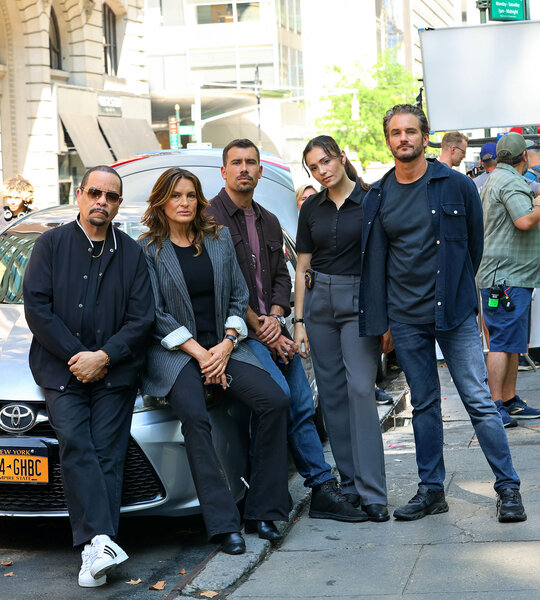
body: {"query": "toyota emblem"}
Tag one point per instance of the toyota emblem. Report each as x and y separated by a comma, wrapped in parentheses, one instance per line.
(17, 418)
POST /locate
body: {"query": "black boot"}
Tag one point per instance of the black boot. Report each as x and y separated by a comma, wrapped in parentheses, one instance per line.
(328, 502)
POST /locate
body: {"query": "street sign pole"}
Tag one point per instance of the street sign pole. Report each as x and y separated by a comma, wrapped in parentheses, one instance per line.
(482, 6)
(177, 111)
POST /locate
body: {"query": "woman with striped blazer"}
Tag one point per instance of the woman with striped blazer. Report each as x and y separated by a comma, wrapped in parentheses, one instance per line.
(201, 302)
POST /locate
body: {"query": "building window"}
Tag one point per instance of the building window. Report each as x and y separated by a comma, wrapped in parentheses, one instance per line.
(229, 12)
(109, 41)
(248, 11)
(55, 54)
(216, 13)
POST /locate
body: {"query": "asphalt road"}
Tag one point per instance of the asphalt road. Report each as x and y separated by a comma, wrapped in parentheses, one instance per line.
(45, 566)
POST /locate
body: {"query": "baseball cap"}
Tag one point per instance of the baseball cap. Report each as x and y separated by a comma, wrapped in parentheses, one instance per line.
(512, 144)
(488, 151)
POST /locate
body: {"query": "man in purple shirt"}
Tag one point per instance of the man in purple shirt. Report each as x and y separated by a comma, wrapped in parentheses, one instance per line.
(258, 241)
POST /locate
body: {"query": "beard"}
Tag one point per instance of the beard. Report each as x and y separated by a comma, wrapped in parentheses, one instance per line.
(413, 153)
(245, 187)
(99, 219)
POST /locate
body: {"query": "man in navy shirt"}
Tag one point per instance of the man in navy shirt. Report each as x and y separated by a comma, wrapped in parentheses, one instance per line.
(422, 242)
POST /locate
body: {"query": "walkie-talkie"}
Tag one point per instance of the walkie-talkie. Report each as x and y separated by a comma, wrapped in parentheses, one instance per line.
(495, 292)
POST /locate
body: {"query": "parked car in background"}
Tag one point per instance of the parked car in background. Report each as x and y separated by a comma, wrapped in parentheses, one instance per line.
(157, 478)
(275, 190)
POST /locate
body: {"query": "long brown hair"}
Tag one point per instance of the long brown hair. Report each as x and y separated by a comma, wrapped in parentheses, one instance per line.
(155, 219)
(330, 146)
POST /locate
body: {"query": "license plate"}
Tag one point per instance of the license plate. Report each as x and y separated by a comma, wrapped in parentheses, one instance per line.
(24, 465)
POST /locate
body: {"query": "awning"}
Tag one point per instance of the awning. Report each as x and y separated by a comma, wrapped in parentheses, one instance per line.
(127, 137)
(88, 140)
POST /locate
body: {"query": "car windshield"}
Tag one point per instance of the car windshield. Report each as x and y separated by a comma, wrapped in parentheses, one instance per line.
(16, 245)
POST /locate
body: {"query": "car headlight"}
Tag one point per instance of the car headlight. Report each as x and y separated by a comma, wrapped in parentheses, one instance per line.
(143, 402)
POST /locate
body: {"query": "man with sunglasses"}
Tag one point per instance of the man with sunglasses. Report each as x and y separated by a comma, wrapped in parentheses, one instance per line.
(88, 303)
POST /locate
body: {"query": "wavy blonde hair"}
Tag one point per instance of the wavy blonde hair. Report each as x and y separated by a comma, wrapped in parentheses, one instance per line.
(155, 219)
(18, 186)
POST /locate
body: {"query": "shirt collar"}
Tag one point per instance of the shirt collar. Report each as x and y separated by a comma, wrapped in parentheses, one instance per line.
(232, 208)
(356, 195)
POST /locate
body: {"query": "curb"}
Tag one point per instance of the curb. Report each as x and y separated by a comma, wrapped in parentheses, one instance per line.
(223, 571)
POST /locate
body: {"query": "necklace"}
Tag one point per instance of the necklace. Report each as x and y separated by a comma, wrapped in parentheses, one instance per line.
(98, 255)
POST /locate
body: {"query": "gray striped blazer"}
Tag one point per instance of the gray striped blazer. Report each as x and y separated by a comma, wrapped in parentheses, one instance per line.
(175, 321)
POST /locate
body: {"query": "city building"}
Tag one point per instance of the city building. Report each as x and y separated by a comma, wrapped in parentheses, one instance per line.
(232, 67)
(73, 90)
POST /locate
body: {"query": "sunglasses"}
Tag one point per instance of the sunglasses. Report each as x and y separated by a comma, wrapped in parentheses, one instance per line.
(96, 193)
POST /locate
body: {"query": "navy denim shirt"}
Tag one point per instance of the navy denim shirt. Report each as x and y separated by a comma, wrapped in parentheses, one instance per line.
(456, 217)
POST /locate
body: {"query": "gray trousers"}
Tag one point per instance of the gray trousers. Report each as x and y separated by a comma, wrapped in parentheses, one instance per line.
(345, 368)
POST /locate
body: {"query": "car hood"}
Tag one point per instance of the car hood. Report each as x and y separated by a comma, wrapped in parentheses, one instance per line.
(16, 380)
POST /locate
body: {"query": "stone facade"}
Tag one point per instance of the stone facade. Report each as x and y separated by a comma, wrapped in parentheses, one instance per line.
(32, 94)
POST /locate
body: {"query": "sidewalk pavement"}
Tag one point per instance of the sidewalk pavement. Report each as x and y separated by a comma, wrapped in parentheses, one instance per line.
(463, 554)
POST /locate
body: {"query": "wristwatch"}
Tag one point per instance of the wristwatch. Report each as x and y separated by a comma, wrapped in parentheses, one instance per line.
(233, 339)
(298, 320)
(280, 319)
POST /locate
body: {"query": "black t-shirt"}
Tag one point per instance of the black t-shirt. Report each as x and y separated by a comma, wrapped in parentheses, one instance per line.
(333, 237)
(88, 327)
(199, 277)
(412, 250)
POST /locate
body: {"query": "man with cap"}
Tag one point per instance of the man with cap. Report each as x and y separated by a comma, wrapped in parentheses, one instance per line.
(488, 160)
(509, 271)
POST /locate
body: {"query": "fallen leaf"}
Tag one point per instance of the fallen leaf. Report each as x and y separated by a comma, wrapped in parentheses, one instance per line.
(182, 572)
(7, 563)
(134, 581)
(209, 594)
(9, 574)
(160, 585)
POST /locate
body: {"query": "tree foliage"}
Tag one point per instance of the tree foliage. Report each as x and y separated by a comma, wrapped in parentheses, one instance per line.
(386, 84)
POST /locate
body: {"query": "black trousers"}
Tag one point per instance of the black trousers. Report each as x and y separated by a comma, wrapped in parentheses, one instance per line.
(92, 423)
(267, 496)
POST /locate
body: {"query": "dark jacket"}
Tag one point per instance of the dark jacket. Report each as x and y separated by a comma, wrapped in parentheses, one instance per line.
(456, 217)
(54, 290)
(276, 281)
(175, 319)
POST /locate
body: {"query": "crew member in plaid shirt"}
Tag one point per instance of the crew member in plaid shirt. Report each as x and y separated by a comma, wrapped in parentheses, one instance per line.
(509, 271)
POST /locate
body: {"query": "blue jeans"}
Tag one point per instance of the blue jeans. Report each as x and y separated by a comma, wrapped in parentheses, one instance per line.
(303, 438)
(462, 349)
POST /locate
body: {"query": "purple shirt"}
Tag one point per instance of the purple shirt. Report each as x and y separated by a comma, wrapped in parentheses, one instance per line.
(254, 245)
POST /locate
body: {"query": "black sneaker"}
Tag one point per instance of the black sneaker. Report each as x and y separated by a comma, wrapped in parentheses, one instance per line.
(327, 502)
(425, 502)
(509, 506)
(381, 397)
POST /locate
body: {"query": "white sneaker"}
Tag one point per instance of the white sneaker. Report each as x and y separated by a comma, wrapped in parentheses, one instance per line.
(106, 555)
(85, 577)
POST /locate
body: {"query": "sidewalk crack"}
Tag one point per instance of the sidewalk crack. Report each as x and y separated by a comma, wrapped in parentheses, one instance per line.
(413, 569)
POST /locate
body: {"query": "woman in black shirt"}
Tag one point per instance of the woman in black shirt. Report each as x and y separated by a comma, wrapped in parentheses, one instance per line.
(326, 307)
(201, 303)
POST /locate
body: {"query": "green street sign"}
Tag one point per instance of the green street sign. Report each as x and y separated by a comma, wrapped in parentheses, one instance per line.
(508, 10)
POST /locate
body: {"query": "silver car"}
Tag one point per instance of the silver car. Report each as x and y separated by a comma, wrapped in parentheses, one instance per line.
(157, 478)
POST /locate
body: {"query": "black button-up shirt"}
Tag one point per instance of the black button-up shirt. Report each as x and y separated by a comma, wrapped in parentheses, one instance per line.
(332, 236)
